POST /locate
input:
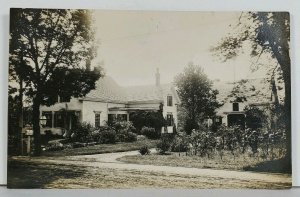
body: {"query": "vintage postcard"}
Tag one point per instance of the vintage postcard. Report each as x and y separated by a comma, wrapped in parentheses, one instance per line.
(149, 99)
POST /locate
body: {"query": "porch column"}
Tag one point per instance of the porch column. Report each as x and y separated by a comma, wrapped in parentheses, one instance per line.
(52, 122)
(224, 120)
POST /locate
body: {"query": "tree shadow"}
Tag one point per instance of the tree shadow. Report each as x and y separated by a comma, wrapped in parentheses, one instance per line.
(273, 166)
(30, 175)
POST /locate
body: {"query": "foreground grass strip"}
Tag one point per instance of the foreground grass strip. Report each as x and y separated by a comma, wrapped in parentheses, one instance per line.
(242, 163)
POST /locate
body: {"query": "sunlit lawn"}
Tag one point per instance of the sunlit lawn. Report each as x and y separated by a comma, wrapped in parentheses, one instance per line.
(228, 161)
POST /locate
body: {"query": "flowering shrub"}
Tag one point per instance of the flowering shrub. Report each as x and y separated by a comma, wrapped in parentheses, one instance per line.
(151, 133)
(180, 143)
(164, 144)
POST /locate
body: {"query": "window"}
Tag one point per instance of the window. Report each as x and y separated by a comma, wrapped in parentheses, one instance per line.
(59, 119)
(170, 120)
(122, 117)
(48, 116)
(97, 119)
(169, 101)
(235, 106)
(111, 118)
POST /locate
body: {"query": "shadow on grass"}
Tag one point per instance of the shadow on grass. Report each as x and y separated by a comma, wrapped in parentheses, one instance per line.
(274, 166)
(28, 175)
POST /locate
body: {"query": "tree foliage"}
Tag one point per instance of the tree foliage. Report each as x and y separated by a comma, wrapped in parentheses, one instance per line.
(267, 33)
(255, 118)
(196, 94)
(51, 52)
(151, 119)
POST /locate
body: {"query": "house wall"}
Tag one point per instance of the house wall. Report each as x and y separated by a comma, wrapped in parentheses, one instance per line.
(227, 108)
(90, 107)
(170, 109)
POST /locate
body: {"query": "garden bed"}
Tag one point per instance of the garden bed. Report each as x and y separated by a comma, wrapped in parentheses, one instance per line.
(104, 148)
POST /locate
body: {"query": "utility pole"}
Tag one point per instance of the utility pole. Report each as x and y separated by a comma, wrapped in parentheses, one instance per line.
(21, 90)
(21, 115)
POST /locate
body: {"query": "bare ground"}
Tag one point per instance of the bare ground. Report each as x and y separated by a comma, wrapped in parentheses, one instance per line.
(104, 171)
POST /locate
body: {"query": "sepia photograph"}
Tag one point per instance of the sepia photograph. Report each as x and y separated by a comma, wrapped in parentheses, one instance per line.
(149, 99)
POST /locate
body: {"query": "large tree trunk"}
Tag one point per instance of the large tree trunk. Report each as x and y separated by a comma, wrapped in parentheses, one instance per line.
(36, 125)
(285, 64)
(283, 58)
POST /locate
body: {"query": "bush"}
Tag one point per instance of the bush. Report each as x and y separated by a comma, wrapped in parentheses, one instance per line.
(141, 137)
(96, 135)
(123, 126)
(180, 143)
(151, 133)
(107, 137)
(165, 143)
(131, 137)
(82, 133)
(126, 137)
(203, 141)
(144, 150)
(150, 119)
(256, 117)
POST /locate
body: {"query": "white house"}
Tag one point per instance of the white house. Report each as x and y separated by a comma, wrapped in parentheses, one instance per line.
(110, 101)
(261, 93)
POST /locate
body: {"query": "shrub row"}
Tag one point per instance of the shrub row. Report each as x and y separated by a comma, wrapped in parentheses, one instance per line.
(119, 132)
(151, 133)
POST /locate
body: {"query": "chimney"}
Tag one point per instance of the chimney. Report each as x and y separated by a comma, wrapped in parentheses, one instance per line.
(157, 76)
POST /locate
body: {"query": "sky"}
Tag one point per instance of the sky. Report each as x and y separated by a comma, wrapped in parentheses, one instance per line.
(132, 44)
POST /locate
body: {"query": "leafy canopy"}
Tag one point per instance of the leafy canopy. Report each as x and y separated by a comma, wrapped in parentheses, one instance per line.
(196, 93)
(51, 51)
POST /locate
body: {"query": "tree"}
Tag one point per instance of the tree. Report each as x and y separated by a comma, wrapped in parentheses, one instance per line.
(51, 52)
(268, 33)
(255, 117)
(152, 119)
(197, 96)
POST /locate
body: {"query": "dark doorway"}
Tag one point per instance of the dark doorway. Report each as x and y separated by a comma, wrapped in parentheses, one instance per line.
(236, 119)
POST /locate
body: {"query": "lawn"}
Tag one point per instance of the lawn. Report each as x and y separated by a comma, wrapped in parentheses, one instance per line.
(37, 174)
(242, 162)
(104, 148)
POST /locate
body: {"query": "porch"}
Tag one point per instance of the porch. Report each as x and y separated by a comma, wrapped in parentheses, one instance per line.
(59, 121)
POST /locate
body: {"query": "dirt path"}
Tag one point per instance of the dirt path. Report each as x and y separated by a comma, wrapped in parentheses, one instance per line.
(109, 161)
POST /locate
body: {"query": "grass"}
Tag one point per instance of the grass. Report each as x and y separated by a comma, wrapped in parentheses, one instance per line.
(30, 174)
(103, 148)
(243, 162)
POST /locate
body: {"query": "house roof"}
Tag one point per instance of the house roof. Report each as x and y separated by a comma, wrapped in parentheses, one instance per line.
(108, 90)
(254, 91)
